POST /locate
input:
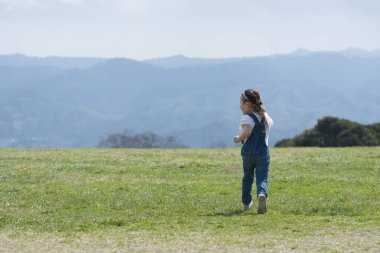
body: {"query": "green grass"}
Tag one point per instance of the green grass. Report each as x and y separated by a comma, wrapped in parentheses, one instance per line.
(172, 196)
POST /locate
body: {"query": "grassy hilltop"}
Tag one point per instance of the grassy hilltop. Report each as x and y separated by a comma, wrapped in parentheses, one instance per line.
(118, 200)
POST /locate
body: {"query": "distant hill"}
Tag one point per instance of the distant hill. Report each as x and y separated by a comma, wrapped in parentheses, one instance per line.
(19, 60)
(179, 61)
(47, 105)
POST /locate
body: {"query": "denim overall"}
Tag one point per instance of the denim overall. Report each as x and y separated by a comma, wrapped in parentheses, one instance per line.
(255, 154)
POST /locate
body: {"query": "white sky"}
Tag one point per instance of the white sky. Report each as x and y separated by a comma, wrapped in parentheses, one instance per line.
(142, 29)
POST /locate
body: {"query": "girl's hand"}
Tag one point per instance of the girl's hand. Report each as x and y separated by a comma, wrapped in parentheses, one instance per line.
(236, 139)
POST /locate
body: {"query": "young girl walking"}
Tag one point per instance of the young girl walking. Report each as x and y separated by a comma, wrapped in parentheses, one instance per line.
(255, 125)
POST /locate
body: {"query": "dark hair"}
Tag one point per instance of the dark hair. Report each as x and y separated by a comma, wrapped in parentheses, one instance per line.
(253, 96)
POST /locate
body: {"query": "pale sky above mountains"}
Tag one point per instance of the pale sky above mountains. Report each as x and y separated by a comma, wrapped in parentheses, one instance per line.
(142, 29)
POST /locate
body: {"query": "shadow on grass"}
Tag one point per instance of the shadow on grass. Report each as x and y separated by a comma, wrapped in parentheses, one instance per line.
(232, 213)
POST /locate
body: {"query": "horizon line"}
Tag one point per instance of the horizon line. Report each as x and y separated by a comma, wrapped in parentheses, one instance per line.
(299, 50)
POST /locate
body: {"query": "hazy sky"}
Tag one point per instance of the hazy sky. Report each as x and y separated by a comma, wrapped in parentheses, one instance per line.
(142, 29)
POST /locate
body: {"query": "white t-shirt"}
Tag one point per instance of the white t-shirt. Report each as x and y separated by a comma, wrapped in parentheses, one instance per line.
(247, 120)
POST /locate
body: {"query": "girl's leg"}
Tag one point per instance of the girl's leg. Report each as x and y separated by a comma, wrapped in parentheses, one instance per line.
(262, 170)
(247, 181)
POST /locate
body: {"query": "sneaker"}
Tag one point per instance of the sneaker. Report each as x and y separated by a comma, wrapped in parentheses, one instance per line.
(247, 207)
(262, 204)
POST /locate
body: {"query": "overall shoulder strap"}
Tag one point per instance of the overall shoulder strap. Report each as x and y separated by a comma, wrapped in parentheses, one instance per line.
(253, 116)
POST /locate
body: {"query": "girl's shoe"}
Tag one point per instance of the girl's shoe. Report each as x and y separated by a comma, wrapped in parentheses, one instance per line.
(262, 208)
(247, 207)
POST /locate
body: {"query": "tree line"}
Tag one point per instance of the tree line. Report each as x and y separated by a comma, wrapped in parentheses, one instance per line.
(142, 140)
(334, 132)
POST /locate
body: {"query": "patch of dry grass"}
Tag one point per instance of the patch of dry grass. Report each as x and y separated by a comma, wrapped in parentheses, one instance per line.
(324, 240)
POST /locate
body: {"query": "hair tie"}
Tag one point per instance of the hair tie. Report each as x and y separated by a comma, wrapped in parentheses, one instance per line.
(245, 96)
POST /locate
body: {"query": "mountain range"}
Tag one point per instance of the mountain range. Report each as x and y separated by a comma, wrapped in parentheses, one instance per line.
(74, 102)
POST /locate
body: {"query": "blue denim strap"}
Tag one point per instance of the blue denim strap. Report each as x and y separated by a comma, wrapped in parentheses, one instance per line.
(254, 130)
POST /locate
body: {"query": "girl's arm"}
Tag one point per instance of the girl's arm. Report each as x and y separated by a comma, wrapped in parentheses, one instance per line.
(246, 132)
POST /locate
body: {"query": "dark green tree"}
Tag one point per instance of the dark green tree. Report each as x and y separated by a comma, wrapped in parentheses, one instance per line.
(356, 136)
(330, 128)
(285, 143)
(335, 132)
(309, 138)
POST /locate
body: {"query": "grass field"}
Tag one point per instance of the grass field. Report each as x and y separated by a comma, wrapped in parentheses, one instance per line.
(189, 200)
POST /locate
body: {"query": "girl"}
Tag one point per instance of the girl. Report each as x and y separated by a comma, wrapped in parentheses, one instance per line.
(255, 125)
